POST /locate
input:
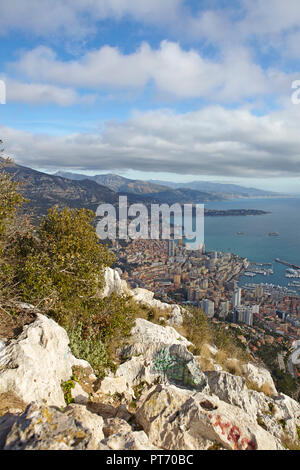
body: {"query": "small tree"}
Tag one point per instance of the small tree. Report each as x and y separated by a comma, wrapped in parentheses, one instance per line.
(10, 201)
(63, 260)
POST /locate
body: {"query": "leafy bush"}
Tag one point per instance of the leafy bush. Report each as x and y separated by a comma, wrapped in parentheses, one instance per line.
(10, 200)
(62, 259)
(89, 349)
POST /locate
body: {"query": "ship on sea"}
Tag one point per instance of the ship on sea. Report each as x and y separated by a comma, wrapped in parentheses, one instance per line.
(273, 234)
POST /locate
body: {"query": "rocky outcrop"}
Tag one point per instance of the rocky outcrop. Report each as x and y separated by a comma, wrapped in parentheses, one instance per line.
(232, 390)
(75, 428)
(146, 333)
(120, 436)
(34, 365)
(146, 297)
(47, 428)
(79, 395)
(179, 419)
(159, 353)
(118, 384)
(260, 377)
(159, 398)
(112, 283)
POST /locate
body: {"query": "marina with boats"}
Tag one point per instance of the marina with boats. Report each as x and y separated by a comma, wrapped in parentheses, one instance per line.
(267, 269)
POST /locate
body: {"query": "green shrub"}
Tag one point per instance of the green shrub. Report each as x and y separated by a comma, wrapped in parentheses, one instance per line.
(89, 349)
(67, 389)
(10, 200)
(63, 259)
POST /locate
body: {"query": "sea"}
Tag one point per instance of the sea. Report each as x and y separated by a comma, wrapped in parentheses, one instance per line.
(221, 234)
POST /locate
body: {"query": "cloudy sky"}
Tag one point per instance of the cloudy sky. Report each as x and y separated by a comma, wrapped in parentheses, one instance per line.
(166, 89)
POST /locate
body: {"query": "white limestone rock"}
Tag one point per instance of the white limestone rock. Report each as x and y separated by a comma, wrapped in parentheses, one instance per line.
(112, 283)
(79, 395)
(112, 385)
(47, 428)
(149, 344)
(176, 318)
(178, 419)
(259, 376)
(131, 440)
(231, 389)
(145, 334)
(34, 365)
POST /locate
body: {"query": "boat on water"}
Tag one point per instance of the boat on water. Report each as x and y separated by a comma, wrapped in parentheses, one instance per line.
(273, 234)
(292, 273)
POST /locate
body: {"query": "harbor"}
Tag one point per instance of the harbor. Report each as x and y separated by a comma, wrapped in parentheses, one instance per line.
(263, 269)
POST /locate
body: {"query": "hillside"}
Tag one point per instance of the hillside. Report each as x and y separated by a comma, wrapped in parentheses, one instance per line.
(152, 192)
(86, 362)
(161, 395)
(185, 196)
(45, 191)
(225, 189)
(117, 183)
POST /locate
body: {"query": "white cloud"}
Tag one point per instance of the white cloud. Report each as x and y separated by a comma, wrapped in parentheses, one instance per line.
(212, 141)
(174, 71)
(40, 93)
(264, 17)
(78, 18)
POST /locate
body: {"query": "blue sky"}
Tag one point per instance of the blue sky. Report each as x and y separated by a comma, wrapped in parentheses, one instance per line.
(179, 89)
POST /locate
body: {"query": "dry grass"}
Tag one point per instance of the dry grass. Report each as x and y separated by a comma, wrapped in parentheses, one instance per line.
(206, 359)
(265, 388)
(201, 332)
(289, 444)
(11, 403)
(152, 314)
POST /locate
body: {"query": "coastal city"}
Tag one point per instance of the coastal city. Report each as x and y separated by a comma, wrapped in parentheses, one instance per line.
(210, 280)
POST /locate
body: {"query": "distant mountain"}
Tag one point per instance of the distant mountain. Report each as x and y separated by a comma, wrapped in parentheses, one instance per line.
(184, 196)
(45, 191)
(217, 191)
(151, 192)
(117, 183)
(225, 189)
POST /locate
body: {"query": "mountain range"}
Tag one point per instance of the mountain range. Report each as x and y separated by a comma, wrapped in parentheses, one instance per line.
(44, 191)
(226, 189)
(74, 190)
(216, 191)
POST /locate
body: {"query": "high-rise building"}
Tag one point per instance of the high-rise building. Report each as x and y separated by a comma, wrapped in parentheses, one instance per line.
(259, 292)
(249, 317)
(211, 264)
(237, 298)
(240, 314)
(204, 284)
(171, 248)
(208, 307)
(223, 308)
